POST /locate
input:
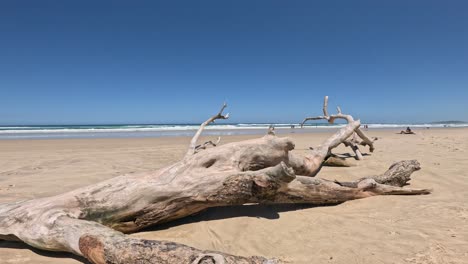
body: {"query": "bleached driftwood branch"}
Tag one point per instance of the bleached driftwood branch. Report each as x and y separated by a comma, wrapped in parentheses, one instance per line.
(193, 143)
(349, 119)
(206, 144)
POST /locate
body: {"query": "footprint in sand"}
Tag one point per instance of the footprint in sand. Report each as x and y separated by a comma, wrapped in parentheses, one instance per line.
(435, 254)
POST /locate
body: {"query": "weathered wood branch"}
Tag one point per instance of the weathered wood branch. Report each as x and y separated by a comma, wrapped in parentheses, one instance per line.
(206, 144)
(366, 141)
(193, 142)
(312, 162)
(353, 144)
(91, 221)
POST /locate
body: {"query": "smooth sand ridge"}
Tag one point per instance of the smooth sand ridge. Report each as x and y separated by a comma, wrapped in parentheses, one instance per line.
(385, 229)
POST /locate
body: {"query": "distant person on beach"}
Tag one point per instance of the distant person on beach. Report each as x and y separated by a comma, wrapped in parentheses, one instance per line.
(407, 131)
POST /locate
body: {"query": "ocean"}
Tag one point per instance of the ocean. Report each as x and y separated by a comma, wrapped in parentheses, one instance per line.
(173, 130)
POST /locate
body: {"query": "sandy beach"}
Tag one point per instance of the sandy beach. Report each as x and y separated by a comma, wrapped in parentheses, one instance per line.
(429, 229)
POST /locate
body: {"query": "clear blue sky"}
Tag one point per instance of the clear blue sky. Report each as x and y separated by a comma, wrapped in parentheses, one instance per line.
(272, 61)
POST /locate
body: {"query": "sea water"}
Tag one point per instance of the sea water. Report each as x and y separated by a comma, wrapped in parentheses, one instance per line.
(167, 130)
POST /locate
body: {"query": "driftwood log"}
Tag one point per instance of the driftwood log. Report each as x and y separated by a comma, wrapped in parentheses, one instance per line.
(91, 221)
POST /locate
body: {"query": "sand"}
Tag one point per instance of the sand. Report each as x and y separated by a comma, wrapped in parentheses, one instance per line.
(386, 229)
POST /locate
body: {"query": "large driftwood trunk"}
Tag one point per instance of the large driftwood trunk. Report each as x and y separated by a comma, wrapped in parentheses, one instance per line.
(91, 221)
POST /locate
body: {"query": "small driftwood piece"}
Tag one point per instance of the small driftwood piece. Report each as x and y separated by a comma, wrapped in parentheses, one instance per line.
(92, 221)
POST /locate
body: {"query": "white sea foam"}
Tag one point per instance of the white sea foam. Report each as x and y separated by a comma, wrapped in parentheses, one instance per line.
(11, 132)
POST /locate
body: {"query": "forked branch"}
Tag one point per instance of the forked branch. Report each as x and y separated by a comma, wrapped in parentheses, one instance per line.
(193, 143)
(353, 144)
(366, 141)
(206, 144)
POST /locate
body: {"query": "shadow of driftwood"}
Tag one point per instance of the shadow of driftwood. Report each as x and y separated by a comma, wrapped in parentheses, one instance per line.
(349, 155)
(251, 210)
(50, 254)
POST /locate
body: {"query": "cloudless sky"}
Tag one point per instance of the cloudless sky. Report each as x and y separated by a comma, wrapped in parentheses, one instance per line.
(68, 62)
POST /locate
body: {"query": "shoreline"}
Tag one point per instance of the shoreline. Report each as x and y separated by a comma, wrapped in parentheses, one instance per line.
(190, 133)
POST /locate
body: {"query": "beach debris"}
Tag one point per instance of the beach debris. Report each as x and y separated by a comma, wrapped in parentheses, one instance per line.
(352, 143)
(193, 143)
(92, 221)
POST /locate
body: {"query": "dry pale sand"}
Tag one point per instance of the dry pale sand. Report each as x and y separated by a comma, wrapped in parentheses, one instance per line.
(391, 229)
